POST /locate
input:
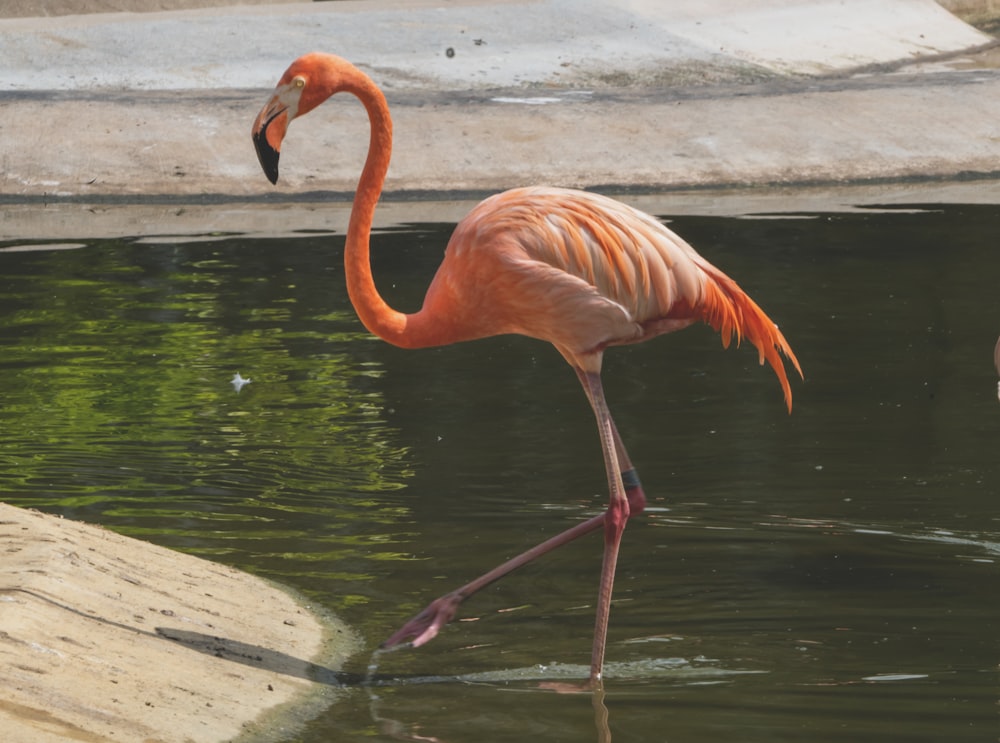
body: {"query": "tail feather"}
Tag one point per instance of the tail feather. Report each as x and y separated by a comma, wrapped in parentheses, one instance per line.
(729, 311)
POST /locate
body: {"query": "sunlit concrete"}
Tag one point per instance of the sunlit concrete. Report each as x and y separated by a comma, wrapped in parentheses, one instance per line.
(103, 637)
(490, 94)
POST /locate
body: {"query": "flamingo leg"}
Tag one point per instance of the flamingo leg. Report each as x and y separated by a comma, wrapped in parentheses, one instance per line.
(425, 625)
(614, 519)
(629, 476)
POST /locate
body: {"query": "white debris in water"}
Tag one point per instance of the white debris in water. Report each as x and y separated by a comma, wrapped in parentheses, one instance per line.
(895, 677)
(238, 382)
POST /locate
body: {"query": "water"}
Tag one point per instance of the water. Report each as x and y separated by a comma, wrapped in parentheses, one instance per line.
(825, 576)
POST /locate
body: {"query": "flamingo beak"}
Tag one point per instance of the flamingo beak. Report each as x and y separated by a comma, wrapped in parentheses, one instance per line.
(268, 131)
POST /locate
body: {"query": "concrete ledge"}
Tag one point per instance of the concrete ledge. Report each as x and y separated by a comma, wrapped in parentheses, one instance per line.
(492, 43)
(63, 224)
(689, 94)
(107, 638)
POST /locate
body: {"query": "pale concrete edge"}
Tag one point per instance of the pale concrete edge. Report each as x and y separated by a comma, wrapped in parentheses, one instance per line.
(63, 225)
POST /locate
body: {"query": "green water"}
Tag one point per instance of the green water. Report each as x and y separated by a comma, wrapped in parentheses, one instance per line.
(826, 576)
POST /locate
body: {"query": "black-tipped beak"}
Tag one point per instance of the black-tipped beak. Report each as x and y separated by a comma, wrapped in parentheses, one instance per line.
(268, 132)
(266, 154)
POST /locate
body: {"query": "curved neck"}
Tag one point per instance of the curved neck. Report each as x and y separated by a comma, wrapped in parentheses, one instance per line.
(377, 316)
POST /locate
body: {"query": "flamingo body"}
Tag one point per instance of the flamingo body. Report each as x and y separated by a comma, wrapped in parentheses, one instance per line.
(576, 269)
(585, 272)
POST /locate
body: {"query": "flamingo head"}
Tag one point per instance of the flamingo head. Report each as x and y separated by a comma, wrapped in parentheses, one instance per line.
(310, 80)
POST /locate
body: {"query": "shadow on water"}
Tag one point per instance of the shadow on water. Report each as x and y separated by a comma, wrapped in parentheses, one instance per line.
(824, 576)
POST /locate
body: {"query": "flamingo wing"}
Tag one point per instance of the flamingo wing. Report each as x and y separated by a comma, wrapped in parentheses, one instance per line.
(586, 272)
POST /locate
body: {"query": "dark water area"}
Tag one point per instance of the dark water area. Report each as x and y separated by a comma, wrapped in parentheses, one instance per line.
(829, 575)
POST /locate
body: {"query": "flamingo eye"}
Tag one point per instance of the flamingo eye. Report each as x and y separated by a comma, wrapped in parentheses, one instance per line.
(299, 82)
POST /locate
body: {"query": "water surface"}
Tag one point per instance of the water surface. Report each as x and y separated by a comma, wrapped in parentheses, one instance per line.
(825, 576)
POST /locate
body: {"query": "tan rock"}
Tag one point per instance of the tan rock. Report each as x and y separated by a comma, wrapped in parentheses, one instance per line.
(104, 637)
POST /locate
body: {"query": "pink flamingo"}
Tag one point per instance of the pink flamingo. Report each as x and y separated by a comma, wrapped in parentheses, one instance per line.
(579, 270)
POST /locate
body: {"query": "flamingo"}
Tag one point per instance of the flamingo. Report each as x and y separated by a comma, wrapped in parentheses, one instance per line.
(579, 270)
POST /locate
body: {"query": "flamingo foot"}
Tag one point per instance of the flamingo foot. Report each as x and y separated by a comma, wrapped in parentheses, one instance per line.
(425, 626)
